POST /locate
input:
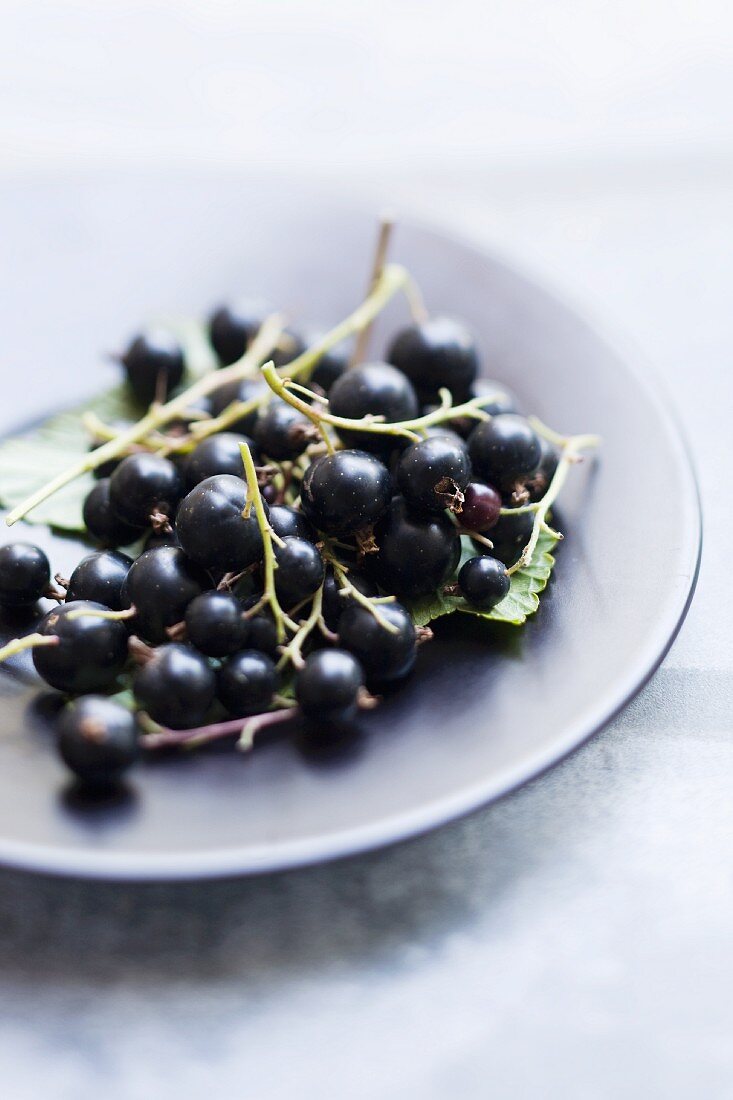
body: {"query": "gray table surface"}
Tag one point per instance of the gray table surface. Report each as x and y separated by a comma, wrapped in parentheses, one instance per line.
(573, 940)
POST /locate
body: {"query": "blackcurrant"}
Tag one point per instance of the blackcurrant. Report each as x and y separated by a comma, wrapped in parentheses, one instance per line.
(538, 483)
(161, 584)
(100, 578)
(503, 401)
(385, 656)
(145, 489)
(432, 474)
(24, 574)
(175, 687)
(299, 572)
(243, 391)
(97, 739)
(262, 632)
(483, 581)
(286, 521)
(334, 603)
(212, 527)
(102, 522)
(233, 327)
(290, 345)
(331, 365)
(281, 432)
(246, 683)
(505, 450)
(416, 553)
(217, 454)
(90, 653)
(434, 354)
(373, 388)
(481, 507)
(198, 409)
(215, 624)
(154, 366)
(345, 492)
(327, 687)
(510, 535)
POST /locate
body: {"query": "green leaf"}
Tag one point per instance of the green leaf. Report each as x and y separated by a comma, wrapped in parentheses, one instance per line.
(28, 461)
(521, 601)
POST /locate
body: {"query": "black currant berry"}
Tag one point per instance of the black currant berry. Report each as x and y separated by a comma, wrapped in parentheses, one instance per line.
(175, 687)
(281, 432)
(97, 739)
(244, 391)
(145, 489)
(262, 634)
(437, 353)
(483, 581)
(212, 528)
(102, 522)
(505, 451)
(331, 365)
(503, 401)
(246, 683)
(233, 327)
(154, 366)
(217, 454)
(327, 687)
(290, 345)
(90, 653)
(334, 603)
(416, 553)
(198, 409)
(215, 624)
(24, 574)
(100, 578)
(481, 507)
(538, 483)
(385, 656)
(433, 474)
(286, 521)
(345, 492)
(160, 585)
(510, 535)
(299, 572)
(375, 388)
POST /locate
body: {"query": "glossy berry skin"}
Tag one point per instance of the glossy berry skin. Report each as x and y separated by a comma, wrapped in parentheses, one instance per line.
(504, 450)
(483, 581)
(215, 624)
(300, 571)
(97, 739)
(376, 388)
(334, 604)
(481, 507)
(153, 365)
(281, 432)
(217, 454)
(161, 584)
(24, 574)
(262, 632)
(437, 353)
(233, 327)
(384, 656)
(245, 391)
(246, 683)
(211, 527)
(432, 474)
(537, 485)
(90, 653)
(175, 687)
(416, 552)
(100, 578)
(345, 492)
(286, 521)
(102, 522)
(143, 486)
(327, 687)
(510, 535)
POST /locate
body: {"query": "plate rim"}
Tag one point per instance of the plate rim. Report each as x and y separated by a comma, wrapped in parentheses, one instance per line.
(103, 865)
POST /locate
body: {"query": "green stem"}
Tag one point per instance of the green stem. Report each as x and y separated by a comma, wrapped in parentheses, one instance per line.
(156, 417)
(30, 641)
(572, 446)
(254, 498)
(292, 654)
(347, 589)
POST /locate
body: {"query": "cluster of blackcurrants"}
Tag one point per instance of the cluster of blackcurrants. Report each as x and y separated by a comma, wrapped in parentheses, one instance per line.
(382, 516)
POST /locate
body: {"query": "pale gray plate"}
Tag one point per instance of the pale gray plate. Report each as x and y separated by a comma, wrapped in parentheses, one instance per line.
(489, 707)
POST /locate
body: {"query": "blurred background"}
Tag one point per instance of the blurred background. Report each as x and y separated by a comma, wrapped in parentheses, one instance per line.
(591, 143)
